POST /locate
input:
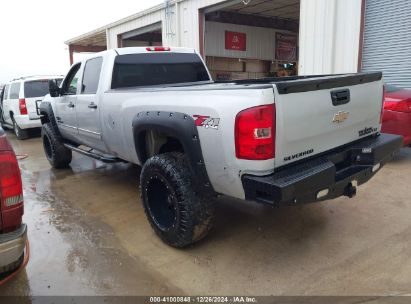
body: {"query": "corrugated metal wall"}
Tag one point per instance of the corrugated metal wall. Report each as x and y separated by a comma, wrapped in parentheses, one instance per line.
(260, 41)
(185, 24)
(142, 21)
(387, 40)
(329, 36)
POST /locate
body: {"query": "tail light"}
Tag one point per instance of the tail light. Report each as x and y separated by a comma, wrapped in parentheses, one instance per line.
(255, 133)
(158, 49)
(22, 106)
(11, 191)
(383, 101)
(403, 106)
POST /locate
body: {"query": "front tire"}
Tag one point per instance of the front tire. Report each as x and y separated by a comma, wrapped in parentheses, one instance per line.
(20, 133)
(57, 154)
(178, 215)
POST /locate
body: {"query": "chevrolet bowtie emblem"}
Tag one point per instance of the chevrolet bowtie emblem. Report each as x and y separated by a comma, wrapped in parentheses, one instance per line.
(341, 117)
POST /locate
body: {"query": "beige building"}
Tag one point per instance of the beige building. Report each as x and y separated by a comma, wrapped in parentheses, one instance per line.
(258, 38)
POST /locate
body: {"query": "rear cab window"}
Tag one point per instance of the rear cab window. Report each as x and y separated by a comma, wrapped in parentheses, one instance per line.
(389, 88)
(137, 70)
(15, 90)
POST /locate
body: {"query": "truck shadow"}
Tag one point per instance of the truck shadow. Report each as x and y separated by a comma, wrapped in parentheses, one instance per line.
(295, 224)
(403, 156)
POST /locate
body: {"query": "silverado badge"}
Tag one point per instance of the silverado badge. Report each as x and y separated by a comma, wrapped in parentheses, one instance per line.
(341, 117)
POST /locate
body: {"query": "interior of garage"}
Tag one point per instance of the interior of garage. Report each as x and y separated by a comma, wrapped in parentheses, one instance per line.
(254, 40)
(147, 36)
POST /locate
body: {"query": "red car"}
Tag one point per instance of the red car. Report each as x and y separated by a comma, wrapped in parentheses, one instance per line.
(13, 232)
(397, 113)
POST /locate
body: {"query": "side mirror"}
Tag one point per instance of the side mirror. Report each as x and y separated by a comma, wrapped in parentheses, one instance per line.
(54, 88)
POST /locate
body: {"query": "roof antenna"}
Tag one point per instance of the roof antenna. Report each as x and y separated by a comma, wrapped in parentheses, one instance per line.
(246, 2)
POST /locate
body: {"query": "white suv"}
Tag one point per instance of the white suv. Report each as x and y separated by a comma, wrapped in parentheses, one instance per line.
(18, 103)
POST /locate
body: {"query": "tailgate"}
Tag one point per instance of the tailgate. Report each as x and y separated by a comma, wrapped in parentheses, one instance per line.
(31, 104)
(34, 92)
(316, 115)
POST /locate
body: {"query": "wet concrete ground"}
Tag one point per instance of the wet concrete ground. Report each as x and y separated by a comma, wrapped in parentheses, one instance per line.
(89, 236)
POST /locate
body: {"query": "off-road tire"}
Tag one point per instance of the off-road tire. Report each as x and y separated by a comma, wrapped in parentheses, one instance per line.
(167, 179)
(20, 133)
(56, 153)
(2, 124)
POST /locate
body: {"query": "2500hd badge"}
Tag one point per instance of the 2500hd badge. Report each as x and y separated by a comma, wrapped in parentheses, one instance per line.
(367, 131)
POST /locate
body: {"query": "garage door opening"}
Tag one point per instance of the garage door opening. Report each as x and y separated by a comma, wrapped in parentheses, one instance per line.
(256, 40)
(147, 36)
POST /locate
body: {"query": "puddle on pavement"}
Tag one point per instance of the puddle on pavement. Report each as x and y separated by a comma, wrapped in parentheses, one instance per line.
(89, 235)
(73, 253)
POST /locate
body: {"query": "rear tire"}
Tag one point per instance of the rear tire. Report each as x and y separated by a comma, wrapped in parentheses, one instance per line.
(56, 153)
(1, 118)
(178, 215)
(20, 133)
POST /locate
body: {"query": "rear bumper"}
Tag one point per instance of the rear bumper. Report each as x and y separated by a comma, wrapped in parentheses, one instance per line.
(12, 246)
(24, 122)
(329, 176)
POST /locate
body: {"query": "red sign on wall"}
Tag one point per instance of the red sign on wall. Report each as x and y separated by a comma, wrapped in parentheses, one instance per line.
(286, 47)
(235, 41)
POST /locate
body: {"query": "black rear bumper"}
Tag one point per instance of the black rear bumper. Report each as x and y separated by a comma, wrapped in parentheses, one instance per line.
(329, 176)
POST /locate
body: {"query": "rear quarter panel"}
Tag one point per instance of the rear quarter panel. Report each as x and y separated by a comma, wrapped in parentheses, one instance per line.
(218, 144)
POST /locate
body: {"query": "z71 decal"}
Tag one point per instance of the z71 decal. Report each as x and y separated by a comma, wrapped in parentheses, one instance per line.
(206, 122)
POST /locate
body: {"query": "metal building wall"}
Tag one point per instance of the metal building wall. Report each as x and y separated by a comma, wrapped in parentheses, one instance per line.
(260, 41)
(329, 36)
(138, 21)
(387, 40)
(184, 23)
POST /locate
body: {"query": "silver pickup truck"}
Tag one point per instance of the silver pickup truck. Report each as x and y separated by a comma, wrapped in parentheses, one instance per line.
(278, 141)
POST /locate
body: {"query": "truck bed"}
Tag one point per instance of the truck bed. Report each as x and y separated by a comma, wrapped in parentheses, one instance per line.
(285, 85)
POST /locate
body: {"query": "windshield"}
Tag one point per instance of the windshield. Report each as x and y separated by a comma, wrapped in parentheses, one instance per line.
(389, 88)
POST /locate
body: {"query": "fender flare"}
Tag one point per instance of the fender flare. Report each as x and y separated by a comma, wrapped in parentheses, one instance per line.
(182, 127)
(47, 115)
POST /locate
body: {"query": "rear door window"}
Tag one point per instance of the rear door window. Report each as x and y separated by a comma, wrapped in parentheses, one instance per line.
(136, 70)
(91, 76)
(37, 88)
(15, 90)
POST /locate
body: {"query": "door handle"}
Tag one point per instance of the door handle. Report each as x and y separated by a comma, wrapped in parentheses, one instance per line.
(71, 105)
(340, 97)
(92, 106)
